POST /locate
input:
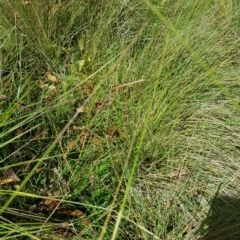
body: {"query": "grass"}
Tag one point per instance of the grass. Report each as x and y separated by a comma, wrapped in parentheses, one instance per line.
(119, 121)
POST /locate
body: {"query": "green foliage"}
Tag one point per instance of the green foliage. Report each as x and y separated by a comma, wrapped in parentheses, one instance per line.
(119, 120)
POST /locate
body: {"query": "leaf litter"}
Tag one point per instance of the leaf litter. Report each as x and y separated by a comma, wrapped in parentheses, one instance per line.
(9, 177)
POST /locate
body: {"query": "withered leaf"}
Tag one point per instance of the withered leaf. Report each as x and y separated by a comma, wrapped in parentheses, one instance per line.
(48, 205)
(52, 78)
(54, 205)
(74, 213)
(42, 85)
(9, 177)
(72, 144)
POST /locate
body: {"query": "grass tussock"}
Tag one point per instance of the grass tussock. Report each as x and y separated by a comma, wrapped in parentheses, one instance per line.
(119, 120)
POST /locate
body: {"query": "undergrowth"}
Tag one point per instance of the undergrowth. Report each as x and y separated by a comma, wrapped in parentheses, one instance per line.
(119, 120)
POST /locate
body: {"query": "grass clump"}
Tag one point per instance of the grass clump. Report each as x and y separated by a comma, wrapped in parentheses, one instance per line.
(118, 121)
